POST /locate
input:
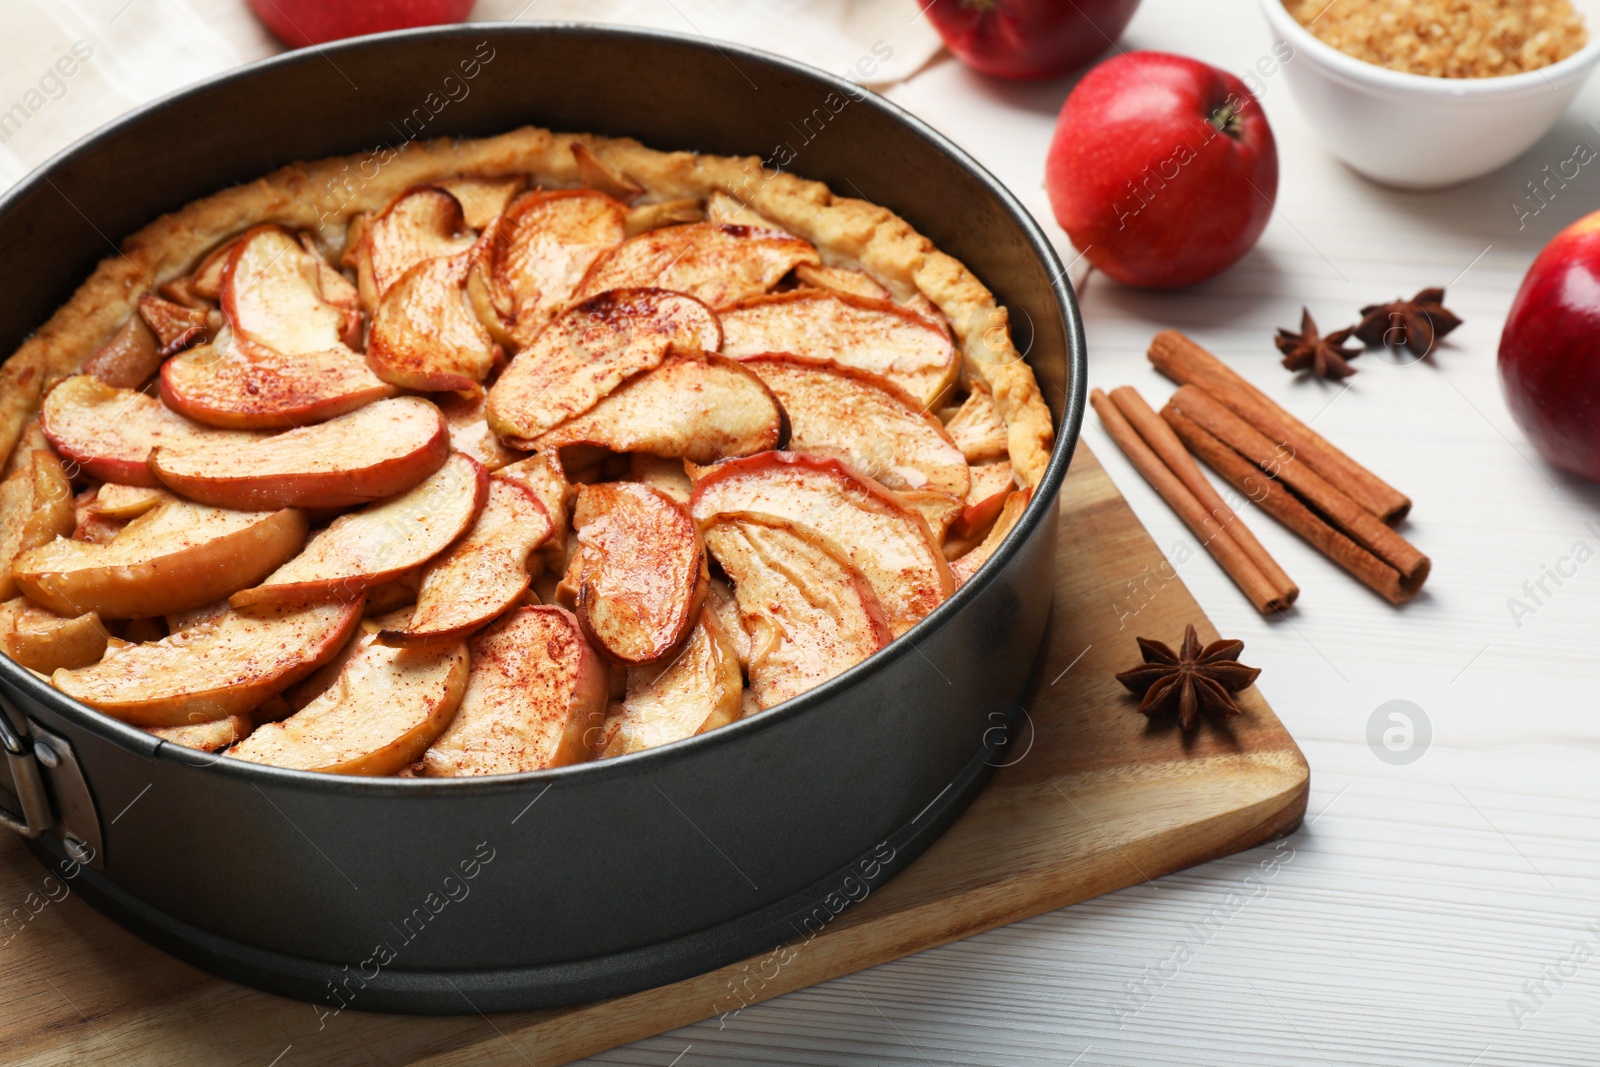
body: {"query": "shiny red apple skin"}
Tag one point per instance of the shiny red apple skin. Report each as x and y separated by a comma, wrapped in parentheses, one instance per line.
(1144, 181)
(298, 23)
(1029, 39)
(1550, 350)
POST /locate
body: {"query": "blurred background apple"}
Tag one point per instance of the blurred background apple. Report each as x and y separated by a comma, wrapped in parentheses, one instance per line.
(298, 23)
(1550, 350)
(1029, 38)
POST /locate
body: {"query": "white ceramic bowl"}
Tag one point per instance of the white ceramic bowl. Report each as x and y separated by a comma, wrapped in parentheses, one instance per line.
(1417, 132)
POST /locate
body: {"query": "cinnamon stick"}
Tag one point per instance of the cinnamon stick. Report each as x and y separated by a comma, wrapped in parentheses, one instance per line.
(1235, 563)
(1186, 363)
(1360, 525)
(1273, 498)
(1165, 444)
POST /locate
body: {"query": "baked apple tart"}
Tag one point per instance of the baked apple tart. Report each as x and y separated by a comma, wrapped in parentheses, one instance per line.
(503, 455)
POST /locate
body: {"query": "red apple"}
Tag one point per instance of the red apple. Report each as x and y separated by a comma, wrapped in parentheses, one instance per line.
(1029, 38)
(298, 23)
(1550, 350)
(1163, 170)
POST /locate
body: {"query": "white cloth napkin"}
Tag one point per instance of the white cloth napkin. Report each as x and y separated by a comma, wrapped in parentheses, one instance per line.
(68, 66)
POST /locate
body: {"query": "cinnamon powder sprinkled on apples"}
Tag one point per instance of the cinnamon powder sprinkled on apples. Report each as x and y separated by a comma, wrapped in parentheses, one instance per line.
(1447, 38)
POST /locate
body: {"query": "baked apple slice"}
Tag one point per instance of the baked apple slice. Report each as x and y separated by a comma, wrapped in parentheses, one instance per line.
(425, 333)
(939, 509)
(237, 384)
(870, 335)
(171, 559)
(695, 405)
(542, 474)
(644, 571)
(536, 693)
(224, 666)
(273, 295)
(128, 359)
(382, 540)
(548, 242)
(126, 501)
(864, 420)
(424, 222)
(43, 641)
(967, 565)
(992, 485)
(175, 326)
(382, 710)
(810, 613)
(470, 434)
(666, 475)
(977, 428)
(36, 507)
(109, 432)
(721, 602)
(483, 200)
(377, 451)
(588, 351)
(886, 540)
(484, 573)
(716, 263)
(692, 692)
(211, 736)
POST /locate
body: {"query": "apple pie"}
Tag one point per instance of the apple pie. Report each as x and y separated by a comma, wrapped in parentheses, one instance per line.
(504, 454)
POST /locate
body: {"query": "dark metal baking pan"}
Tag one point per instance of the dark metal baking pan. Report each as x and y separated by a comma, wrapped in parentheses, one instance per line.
(587, 881)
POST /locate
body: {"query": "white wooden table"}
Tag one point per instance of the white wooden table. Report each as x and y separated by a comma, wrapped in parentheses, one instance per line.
(1431, 912)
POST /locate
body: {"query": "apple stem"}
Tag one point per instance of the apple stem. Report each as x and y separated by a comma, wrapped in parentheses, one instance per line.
(1226, 119)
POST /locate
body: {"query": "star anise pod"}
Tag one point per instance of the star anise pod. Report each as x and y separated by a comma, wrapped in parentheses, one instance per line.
(1192, 681)
(1414, 323)
(1326, 356)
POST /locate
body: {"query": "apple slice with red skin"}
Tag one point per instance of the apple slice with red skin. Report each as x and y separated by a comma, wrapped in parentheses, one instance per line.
(377, 451)
(886, 540)
(223, 666)
(541, 473)
(810, 613)
(871, 335)
(548, 242)
(484, 573)
(967, 565)
(696, 690)
(273, 295)
(719, 264)
(865, 420)
(362, 549)
(236, 384)
(992, 484)
(424, 222)
(43, 641)
(644, 572)
(588, 351)
(382, 710)
(695, 405)
(855, 283)
(173, 558)
(536, 694)
(109, 432)
(425, 334)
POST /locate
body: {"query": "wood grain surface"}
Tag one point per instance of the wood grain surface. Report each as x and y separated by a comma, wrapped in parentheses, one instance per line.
(1092, 798)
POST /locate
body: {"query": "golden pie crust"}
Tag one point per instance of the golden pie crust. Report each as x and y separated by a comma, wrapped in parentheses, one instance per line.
(323, 197)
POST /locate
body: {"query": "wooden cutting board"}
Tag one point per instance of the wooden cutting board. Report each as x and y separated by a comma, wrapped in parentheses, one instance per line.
(1096, 800)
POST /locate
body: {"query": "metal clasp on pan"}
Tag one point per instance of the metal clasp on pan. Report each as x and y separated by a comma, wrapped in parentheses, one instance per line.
(73, 810)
